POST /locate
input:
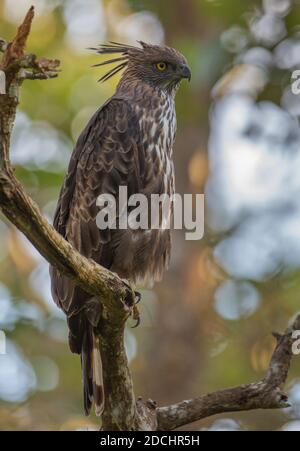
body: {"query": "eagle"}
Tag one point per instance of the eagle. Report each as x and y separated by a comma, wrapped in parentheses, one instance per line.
(127, 143)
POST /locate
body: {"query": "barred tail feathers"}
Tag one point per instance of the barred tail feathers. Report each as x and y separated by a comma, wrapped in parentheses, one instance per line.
(92, 372)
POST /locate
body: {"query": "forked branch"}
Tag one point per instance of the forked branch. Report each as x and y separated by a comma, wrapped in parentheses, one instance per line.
(265, 394)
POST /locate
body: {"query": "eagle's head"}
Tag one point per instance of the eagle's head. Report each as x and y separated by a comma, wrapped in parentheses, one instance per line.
(159, 66)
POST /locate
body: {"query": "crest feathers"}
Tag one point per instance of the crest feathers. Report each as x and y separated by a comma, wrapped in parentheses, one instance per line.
(114, 48)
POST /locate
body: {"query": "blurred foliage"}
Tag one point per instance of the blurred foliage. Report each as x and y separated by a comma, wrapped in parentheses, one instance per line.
(204, 327)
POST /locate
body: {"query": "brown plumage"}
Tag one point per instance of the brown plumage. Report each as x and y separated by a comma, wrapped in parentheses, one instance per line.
(128, 142)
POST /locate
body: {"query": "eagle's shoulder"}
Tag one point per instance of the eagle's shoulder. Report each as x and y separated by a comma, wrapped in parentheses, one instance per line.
(107, 154)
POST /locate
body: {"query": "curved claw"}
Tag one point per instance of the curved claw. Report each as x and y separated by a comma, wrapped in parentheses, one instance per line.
(138, 322)
(138, 297)
(136, 316)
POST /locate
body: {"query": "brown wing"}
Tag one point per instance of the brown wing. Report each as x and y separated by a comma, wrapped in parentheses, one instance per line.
(108, 154)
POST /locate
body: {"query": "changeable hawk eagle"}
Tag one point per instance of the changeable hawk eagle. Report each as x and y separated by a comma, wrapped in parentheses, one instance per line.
(128, 142)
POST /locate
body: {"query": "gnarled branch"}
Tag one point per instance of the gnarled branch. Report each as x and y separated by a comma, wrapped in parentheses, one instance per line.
(121, 411)
(265, 394)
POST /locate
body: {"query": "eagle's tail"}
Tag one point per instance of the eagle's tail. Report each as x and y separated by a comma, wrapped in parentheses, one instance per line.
(92, 372)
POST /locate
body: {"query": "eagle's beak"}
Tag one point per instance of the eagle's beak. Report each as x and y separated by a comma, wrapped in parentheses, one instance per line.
(185, 72)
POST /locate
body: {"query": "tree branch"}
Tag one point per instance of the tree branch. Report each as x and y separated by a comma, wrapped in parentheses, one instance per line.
(121, 411)
(265, 394)
(116, 297)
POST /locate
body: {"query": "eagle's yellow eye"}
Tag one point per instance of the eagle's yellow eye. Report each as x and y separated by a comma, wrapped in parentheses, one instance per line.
(161, 66)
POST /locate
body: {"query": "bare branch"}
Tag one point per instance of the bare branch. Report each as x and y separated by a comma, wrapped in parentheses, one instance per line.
(16, 49)
(266, 394)
(26, 75)
(42, 69)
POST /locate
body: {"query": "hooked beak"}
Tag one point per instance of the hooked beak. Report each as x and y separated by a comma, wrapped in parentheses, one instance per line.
(185, 72)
